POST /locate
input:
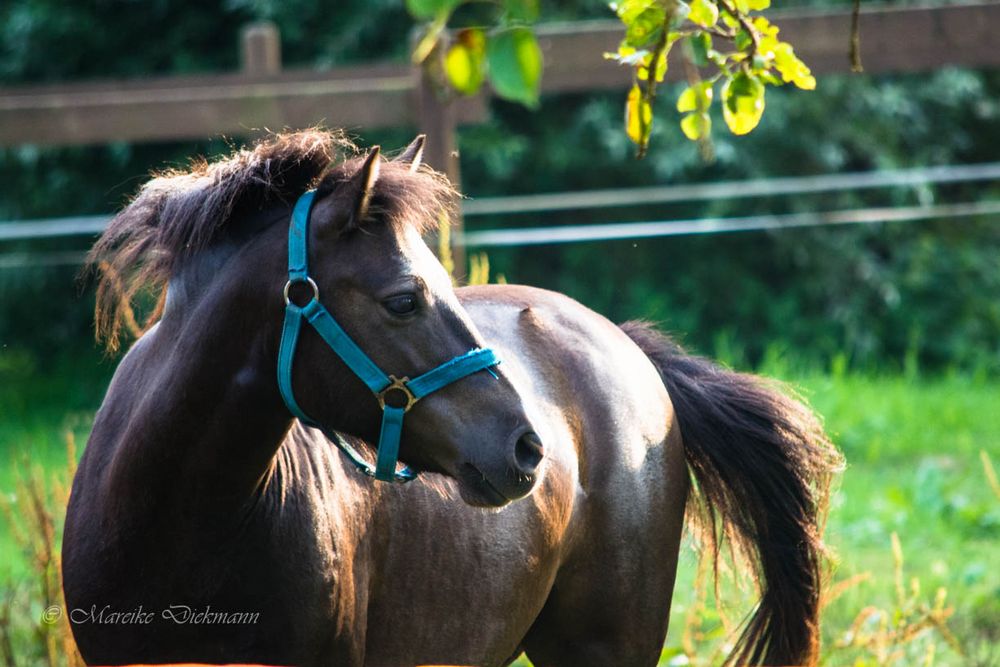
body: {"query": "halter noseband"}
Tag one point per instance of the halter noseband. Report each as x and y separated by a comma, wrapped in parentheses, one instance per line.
(378, 382)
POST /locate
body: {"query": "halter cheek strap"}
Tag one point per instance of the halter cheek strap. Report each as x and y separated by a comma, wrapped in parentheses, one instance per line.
(406, 391)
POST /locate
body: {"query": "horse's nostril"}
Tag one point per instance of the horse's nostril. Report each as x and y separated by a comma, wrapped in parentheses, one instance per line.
(528, 452)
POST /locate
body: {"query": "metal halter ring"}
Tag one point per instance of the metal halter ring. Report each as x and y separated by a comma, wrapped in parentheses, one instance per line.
(398, 384)
(307, 279)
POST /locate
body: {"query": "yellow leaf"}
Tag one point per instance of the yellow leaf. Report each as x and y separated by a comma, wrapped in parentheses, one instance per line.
(688, 101)
(638, 116)
(791, 68)
(696, 125)
(742, 103)
(464, 61)
(768, 38)
(704, 13)
(805, 82)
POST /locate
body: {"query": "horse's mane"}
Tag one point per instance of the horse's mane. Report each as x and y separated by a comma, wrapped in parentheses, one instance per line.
(180, 212)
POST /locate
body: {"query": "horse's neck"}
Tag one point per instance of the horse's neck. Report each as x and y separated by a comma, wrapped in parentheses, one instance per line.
(194, 407)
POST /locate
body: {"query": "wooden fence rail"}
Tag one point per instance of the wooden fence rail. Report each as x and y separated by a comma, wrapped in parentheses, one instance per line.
(263, 95)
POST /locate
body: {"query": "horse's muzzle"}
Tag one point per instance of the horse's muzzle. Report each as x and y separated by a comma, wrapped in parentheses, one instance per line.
(528, 454)
(495, 487)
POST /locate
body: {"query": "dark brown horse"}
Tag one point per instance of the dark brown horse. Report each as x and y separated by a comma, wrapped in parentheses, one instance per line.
(207, 525)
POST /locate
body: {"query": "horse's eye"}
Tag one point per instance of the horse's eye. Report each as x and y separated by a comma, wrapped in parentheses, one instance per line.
(401, 304)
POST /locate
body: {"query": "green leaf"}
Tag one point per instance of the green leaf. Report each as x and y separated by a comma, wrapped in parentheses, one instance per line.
(646, 27)
(515, 65)
(742, 40)
(629, 9)
(704, 13)
(428, 9)
(701, 44)
(638, 116)
(696, 125)
(465, 62)
(522, 10)
(767, 77)
(695, 98)
(742, 102)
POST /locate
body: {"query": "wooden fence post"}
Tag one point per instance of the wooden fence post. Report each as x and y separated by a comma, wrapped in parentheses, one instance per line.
(260, 52)
(439, 121)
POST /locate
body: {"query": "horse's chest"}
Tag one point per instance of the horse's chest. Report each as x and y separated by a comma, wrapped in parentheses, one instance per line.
(263, 591)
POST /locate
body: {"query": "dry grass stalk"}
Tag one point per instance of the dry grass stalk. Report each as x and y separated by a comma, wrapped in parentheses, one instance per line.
(891, 637)
(34, 516)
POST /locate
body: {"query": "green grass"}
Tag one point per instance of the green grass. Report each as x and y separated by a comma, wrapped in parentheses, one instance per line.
(914, 468)
(913, 450)
(38, 410)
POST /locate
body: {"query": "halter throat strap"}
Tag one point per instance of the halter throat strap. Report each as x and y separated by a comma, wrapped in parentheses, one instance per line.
(406, 391)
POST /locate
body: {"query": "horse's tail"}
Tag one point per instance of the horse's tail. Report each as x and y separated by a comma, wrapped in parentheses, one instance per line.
(762, 464)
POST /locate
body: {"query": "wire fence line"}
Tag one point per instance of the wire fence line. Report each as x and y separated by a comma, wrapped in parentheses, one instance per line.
(763, 187)
(517, 204)
(619, 231)
(637, 230)
(86, 225)
(20, 260)
(512, 205)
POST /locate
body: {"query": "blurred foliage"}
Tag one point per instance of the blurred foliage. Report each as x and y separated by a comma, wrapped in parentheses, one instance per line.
(499, 45)
(915, 297)
(505, 52)
(875, 293)
(924, 294)
(755, 58)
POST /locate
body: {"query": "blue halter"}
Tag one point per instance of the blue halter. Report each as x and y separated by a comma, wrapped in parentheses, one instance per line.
(380, 384)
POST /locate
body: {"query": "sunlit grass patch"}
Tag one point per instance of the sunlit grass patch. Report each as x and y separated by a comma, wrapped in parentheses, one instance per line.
(921, 455)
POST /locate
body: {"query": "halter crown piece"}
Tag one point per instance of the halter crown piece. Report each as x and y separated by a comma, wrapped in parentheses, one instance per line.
(380, 384)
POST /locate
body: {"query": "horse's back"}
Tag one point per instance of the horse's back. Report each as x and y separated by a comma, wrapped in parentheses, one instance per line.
(618, 564)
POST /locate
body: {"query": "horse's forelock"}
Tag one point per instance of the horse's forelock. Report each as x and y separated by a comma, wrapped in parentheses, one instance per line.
(179, 212)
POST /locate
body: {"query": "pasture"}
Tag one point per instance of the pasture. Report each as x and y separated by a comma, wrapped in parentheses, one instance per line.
(846, 246)
(913, 443)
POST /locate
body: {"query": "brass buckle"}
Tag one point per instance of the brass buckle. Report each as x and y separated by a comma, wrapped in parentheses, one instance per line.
(398, 384)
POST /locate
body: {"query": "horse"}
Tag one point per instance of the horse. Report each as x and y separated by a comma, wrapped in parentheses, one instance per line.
(208, 523)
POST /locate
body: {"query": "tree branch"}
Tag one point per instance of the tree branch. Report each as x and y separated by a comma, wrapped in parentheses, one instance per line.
(744, 23)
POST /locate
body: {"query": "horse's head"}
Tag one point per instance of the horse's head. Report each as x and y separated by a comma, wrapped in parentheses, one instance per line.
(387, 290)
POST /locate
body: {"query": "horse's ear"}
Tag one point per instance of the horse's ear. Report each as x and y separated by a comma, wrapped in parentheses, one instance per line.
(342, 202)
(361, 184)
(414, 153)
